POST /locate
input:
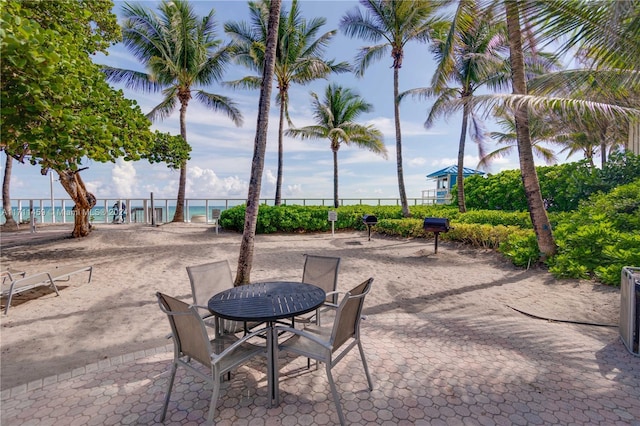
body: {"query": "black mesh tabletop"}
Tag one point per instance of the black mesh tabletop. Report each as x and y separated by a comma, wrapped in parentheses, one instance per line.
(268, 301)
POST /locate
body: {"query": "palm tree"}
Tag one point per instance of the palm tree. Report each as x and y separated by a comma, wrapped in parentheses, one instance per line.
(537, 212)
(245, 258)
(394, 24)
(542, 130)
(335, 119)
(180, 51)
(470, 55)
(299, 58)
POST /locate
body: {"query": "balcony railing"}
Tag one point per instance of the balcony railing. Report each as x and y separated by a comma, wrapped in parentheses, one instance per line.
(138, 210)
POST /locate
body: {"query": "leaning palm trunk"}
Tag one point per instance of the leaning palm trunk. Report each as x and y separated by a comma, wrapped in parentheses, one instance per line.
(336, 204)
(84, 201)
(178, 216)
(245, 259)
(278, 200)
(9, 221)
(462, 206)
(539, 218)
(396, 111)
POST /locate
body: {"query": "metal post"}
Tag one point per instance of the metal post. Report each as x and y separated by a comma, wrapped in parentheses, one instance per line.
(436, 234)
(153, 212)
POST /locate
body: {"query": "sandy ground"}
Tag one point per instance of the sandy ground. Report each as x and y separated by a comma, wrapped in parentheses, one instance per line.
(117, 312)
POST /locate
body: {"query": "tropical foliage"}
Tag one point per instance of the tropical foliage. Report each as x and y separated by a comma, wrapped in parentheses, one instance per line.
(392, 24)
(180, 51)
(563, 186)
(470, 55)
(75, 116)
(299, 58)
(335, 116)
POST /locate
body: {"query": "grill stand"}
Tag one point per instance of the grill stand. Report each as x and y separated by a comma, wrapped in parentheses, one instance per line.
(436, 234)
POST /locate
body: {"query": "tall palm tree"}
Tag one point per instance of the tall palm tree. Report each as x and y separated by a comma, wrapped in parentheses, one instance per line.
(299, 58)
(537, 212)
(245, 258)
(394, 24)
(470, 54)
(9, 221)
(180, 51)
(335, 119)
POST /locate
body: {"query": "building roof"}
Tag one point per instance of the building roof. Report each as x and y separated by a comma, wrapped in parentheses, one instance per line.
(453, 170)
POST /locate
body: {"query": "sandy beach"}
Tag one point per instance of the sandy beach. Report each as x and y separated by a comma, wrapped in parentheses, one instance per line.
(117, 312)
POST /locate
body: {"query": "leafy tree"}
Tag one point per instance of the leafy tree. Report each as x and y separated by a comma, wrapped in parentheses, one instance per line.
(469, 55)
(245, 258)
(180, 51)
(57, 108)
(335, 119)
(394, 24)
(299, 58)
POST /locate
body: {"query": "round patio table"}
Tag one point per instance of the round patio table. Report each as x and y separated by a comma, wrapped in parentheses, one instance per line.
(267, 302)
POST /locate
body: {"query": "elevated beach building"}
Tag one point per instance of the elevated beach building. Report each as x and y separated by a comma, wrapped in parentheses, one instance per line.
(445, 181)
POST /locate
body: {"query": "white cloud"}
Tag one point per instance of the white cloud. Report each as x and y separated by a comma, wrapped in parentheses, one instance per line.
(387, 126)
(123, 176)
(204, 183)
(417, 162)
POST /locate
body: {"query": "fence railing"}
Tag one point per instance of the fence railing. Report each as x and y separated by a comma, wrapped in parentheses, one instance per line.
(139, 210)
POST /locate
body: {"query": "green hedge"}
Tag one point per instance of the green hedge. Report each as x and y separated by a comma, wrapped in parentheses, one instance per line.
(594, 241)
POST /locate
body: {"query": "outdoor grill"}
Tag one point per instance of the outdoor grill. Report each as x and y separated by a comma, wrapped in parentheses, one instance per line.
(369, 220)
(436, 225)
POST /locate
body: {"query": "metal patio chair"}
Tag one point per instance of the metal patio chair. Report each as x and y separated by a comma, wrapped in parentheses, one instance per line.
(329, 344)
(192, 344)
(321, 271)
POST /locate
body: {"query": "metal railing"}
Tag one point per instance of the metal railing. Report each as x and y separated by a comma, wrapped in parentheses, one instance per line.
(138, 210)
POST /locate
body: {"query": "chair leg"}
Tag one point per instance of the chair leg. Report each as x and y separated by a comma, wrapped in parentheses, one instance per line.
(366, 367)
(174, 367)
(334, 391)
(214, 400)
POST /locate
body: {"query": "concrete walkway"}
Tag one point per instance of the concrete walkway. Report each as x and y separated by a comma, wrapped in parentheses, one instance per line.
(440, 368)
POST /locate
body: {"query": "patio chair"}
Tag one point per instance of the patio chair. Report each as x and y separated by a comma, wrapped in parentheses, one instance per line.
(323, 272)
(209, 279)
(191, 343)
(329, 344)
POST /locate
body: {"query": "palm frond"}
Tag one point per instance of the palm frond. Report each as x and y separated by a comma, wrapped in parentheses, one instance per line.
(222, 104)
(166, 107)
(132, 79)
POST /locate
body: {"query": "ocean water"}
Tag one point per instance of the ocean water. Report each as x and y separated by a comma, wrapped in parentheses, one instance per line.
(100, 214)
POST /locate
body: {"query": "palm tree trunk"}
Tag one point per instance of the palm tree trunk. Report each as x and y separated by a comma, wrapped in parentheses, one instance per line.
(278, 200)
(178, 216)
(396, 111)
(539, 218)
(462, 207)
(336, 204)
(9, 221)
(245, 258)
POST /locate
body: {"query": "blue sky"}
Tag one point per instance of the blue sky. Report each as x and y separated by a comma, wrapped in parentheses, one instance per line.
(221, 157)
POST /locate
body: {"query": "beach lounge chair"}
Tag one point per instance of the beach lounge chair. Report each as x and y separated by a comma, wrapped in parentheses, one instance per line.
(11, 274)
(191, 343)
(325, 343)
(49, 278)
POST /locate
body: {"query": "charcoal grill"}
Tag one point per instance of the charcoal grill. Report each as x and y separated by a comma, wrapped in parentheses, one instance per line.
(436, 225)
(369, 220)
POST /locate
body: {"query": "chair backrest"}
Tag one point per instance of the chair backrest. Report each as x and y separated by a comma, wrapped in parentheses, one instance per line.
(349, 314)
(209, 279)
(321, 271)
(188, 330)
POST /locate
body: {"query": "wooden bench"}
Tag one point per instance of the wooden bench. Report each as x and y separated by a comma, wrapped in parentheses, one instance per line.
(41, 279)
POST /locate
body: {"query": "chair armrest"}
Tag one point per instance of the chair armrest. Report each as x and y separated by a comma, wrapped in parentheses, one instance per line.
(240, 342)
(306, 335)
